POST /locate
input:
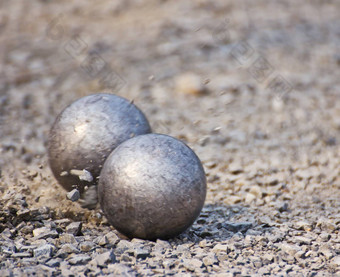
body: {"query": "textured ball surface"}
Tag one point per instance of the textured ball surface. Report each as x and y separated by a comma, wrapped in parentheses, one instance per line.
(152, 186)
(86, 132)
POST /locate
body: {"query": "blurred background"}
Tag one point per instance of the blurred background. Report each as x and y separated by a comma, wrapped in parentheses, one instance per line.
(251, 86)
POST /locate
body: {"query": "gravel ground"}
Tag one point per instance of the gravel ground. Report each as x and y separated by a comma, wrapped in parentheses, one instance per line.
(252, 87)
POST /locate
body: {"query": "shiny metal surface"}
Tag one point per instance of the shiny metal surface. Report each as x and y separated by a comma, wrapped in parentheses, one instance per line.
(86, 132)
(152, 186)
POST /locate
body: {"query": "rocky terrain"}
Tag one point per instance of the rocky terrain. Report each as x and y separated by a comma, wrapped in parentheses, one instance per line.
(252, 87)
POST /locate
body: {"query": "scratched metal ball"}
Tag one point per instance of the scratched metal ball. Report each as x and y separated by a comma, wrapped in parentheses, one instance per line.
(152, 186)
(86, 132)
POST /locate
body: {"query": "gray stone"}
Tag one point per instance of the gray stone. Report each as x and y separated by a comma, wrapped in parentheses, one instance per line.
(302, 240)
(210, 259)
(106, 258)
(21, 255)
(123, 246)
(267, 258)
(336, 261)
(238, 227)
(283, 207)
(141, 253)
(44, 251)
(192, 264)
(74, 228)
(324, 236)
(73, 195)
(83, 175)
(327, 252)
(8, 248)
(263, 271)
(67, 238)
(69, 248)
(170, 263)
(86, 246)
(39, 231)
(112, 238)
(61, 254)
(62, 222)
(24, 214)
(184, 251)
(327, 225)
(121, 270)
(303, 225)
(6, 273)
(257, 262)
(220, 248)
(28, 248)
(79, 259)
(65, 270)
(300, 254)
(102, 240)
(289, 249)
(275, 236)
(53, 263)
(127, 258)
(27, 229)
(161, 246)
(50, 234)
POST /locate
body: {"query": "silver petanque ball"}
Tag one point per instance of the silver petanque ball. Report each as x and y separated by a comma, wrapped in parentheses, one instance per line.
(152, 186)
(86, 132)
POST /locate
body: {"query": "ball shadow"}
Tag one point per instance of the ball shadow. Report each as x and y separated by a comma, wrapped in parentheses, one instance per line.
(215, 224)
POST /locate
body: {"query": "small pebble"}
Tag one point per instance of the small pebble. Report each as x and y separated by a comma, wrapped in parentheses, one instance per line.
(106, 258)
(189, 83)
(67, 238)
(44, 251)
(73, 195)
(74, 228)
(83, 175)
(86, 246)
(69, 248)
(79, 259)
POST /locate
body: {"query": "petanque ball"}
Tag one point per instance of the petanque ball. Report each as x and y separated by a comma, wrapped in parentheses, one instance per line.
(86, 132)
(152, 186)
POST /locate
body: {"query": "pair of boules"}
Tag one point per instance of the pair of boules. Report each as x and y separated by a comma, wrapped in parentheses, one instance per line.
(149, 185)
